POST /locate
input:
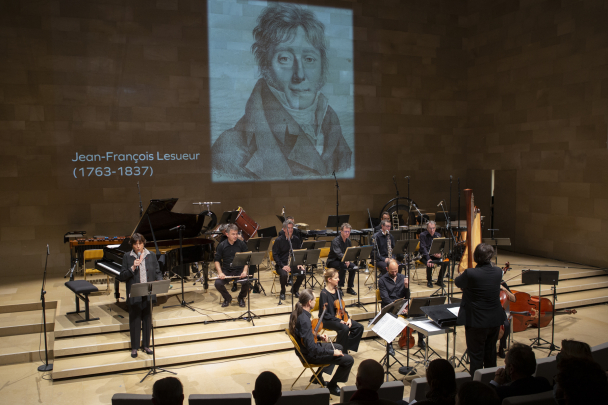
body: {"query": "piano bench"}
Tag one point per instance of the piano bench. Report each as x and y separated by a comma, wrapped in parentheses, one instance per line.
(82, 289)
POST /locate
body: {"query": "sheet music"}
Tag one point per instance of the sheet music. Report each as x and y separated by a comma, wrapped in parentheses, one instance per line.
(388, 327)
(428, 326)
(454, 310)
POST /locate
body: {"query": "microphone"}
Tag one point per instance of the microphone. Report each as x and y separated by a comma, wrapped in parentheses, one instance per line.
(406, 177)
(138, 256)
(440, 202)
(177, 227)
(47, 249)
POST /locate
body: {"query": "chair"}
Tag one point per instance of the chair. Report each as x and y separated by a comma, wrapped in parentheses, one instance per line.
(391, 391)
(485, 375)
(420, 386)
(372, 274)
(316, 396)
(94, 254)
(82, 289)
(600, 355)
(305, 364)
(546, 367)
(544, 398)
(131, 399)
(220, 399)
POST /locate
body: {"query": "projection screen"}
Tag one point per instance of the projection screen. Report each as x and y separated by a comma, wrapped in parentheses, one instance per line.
(281, 91)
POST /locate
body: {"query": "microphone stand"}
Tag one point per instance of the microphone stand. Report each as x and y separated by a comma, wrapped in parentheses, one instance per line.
(293, 258)
(183, 303)
(337, 201)
(46, 366)
(397, 196)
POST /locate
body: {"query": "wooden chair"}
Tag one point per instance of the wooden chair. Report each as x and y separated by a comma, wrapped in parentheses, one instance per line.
(305, 364)
(94, 254)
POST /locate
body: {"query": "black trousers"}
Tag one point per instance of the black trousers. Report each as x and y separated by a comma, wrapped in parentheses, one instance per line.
(429, 272)
(283, 275)
(503, 339)
(252, 270)
(344, 363)
(481, 346)
(220, 285)
(139, 320)
(348, 338)
(337, 264)
(381, 265)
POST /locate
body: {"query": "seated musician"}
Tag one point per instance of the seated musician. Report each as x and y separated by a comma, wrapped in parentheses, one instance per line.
(426, 239)
(318, 353)
(281, 252)
(139, 266)
(252, 269)
(350, 331)
(384, 241)
(506, 327)
(393, 286)
(296, 232)
(385, 217)
(224, 255)
(336, 253)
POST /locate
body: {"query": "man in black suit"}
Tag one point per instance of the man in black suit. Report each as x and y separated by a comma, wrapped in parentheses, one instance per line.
(516, 377)
(480, 309)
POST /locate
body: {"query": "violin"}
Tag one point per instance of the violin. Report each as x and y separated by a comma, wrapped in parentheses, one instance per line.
(339, 305)
(318, 324)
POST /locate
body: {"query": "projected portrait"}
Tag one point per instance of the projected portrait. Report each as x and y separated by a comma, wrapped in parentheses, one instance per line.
(288, 129)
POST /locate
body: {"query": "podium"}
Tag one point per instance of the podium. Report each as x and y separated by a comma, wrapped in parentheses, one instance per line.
(147, 290)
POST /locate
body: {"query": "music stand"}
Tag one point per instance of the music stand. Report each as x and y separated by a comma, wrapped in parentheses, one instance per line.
(313, 244)
(145, 291)
(382, 324)
(437, 246)
(335, 221)
(242, 259)
(497, 242)
(305, 258)
(270, 232)
(259, 245)
(228, 217)
(396, 234)
(548, 278)
(357, 254)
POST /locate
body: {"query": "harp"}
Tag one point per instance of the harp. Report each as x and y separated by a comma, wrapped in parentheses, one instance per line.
(473, 233)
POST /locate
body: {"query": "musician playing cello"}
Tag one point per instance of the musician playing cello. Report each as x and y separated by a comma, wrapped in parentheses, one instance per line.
(281, 251)
(224, 255)
(300, 328)
(349, 331)
(393, 286)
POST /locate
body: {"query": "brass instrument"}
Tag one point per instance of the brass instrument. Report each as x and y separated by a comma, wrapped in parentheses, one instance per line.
(395, 220)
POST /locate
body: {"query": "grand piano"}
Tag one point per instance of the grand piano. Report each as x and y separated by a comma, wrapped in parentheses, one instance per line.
(155, 225)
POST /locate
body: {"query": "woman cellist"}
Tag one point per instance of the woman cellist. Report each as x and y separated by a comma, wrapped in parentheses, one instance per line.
(300, 328)
(336, 318)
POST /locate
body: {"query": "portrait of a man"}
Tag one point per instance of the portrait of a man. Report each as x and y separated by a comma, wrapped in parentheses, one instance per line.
(288, 129)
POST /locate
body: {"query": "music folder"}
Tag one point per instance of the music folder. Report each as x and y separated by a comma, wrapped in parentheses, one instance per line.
(441, 315)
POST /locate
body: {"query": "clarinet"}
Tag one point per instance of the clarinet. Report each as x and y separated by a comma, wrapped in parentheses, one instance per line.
(388, 245)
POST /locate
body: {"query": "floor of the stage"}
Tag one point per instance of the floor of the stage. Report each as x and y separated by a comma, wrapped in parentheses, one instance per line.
(22, 383)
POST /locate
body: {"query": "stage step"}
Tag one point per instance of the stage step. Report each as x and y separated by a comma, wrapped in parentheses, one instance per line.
(25, 322)
(24, 348)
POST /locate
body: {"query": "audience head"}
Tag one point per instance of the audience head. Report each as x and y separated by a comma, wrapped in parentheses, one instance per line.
(168, 391)
(573, 348)
(581, 381)
(267, 389)
(370, 375)
(483, 253)
(520, 362)
(442, 380)
(476, 393)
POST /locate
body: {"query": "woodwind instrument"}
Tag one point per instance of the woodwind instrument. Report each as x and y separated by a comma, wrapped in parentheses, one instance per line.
(389, 245)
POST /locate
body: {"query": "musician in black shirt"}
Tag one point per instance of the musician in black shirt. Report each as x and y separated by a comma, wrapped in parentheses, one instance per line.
(296, 232)
(385, 217)
(393, 286)
(334, 259)
(300, 328)
(224, 256)
(382, 240)
(426, 239)
(281, 252)
(350, 331)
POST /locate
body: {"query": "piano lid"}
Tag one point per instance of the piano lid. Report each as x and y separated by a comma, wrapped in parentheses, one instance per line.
(163, 219)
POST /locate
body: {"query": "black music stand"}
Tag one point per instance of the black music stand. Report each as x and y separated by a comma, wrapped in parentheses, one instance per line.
(396, 234)
(46, 366)
(270, 232)
(335, 221)
(437, 246)
(353, 254)
(248, 259)
(306, 258)
(259, 245)
(391, 311)
(313, 244)
(182, 268)
(147, 290)
(497, 242)
(548, 278)
(229, 217)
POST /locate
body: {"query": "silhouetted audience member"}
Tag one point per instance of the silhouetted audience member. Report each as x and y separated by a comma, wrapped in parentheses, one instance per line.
(442, 383)
(516, 377)
(267, 389)
(573, 348)
(370, 376)
(476, 393)
(168, 391)
(581, 382)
